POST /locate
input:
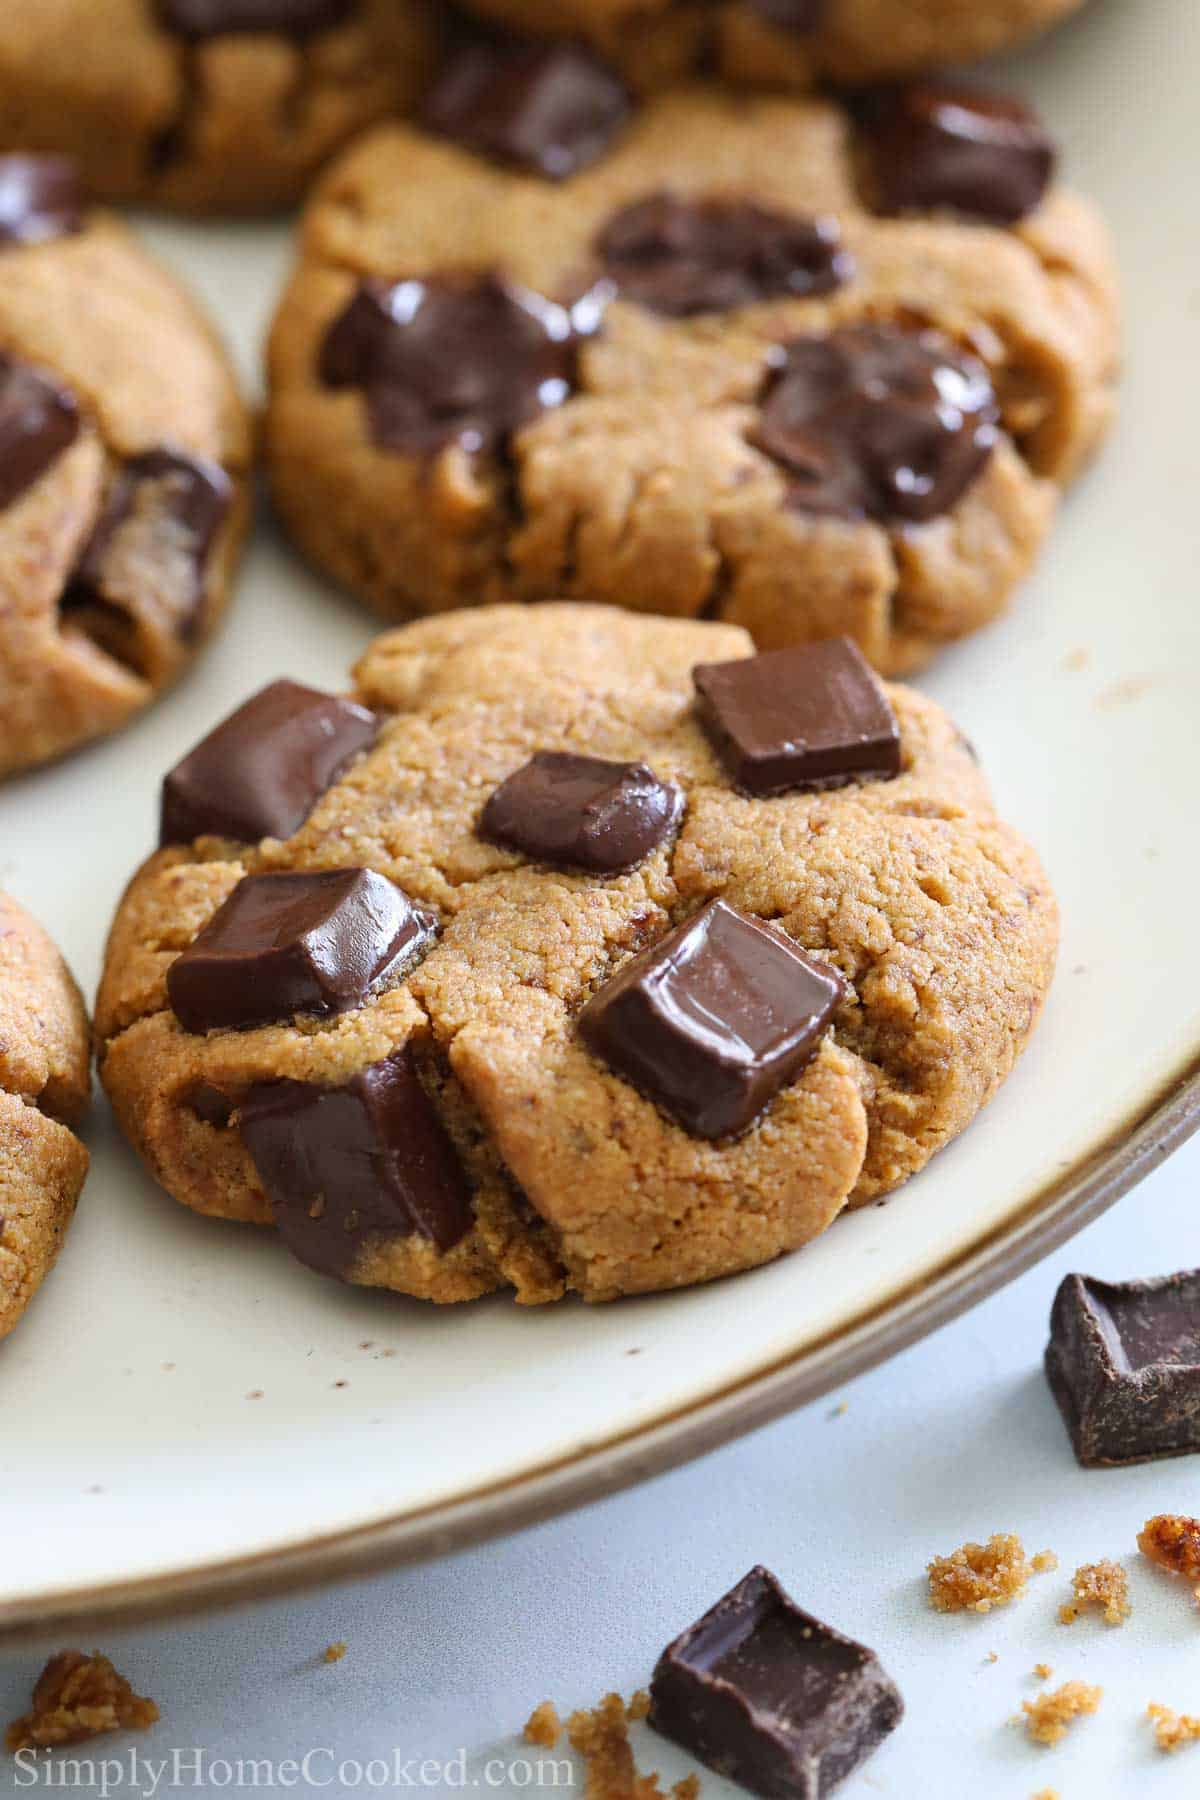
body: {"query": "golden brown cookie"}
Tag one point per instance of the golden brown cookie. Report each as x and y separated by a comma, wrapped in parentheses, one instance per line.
(124, 455)
(208, 105)
(755, 359)
(44, 1082)
(423, 976)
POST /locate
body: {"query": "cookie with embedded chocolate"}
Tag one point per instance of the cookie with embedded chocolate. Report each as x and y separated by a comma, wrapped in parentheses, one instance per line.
(808, 369)
(563, 966)
(207, 105)
(124, 452)
(44, 1082)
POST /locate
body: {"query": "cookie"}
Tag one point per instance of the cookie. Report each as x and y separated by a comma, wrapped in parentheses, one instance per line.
(124, 451)
(207, 105)
(747, 358)
(554, 959)
(44, 1082)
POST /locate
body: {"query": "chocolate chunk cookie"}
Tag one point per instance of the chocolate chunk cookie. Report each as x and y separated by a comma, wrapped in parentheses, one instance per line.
(809, 370)
(124, 448)
(209, 105)
(44, 1081)
(559, 970)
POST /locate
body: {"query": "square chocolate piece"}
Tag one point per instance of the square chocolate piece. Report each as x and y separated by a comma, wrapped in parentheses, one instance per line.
(1124, 1365)
(770, 1697)
(813, 716)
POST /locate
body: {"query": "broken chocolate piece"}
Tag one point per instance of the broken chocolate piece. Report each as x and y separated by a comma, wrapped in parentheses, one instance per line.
(550, 108)
(771, 1698)
(600, 816)
(1123, 1362)
(210, 1105)
(40, 198)
(812, 716)
(38, 421)
(691, 256)
(260, 773)
(878, 423)
(932, 147)
(346, 1167)
(714, 1020)
(317, 941)
(288, 18)
(450, 360)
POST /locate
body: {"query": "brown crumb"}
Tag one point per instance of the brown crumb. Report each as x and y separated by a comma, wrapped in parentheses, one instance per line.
(1103, 1586)
(1043, 1671)
(543, 1726)
(1172, 1540)
(639, 1707)
(1172, 1730)
(601, 1737)
(976, 1577)
(991, 1657)
(335, 1652)
(1048, 1718)
(1047, 1794)
(77, 1697)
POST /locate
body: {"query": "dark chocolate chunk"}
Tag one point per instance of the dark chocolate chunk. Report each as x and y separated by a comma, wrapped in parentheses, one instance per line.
(260, 773)
(878, 423)
(771, 1698)
(40, 198)
(714, 1020)
(287, 18)
(692, 256)
(450, 360)
(210, 1104)
(792, 15)
(931, 147)
(812, 716)
(347, 1167)
(312, 942)
(1124, 1364)
(551, 108)
(600, 816)
(38, 421)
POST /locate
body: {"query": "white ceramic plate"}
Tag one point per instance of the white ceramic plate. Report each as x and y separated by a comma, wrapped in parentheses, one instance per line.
(188, 1413)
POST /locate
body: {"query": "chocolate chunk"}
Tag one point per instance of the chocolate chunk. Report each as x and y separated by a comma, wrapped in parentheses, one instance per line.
(931, 147)
(551, 108)
(318, 941)
(260, 773)
(38, 421)
(792, 15)
(1124, 1364)
(450, 360)
(210, 1104)
(347, 1167)
(714, 1020)
(600, 816)
(771, 1698)
(687, 256)
(40, 198)
(288, 18)
(871, 421)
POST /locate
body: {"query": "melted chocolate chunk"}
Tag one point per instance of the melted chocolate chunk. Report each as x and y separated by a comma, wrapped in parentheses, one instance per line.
(714, 1020)
(581, 810)
(684, 256)
(1124, 1365)
(932, 147)
(771, 1698)
(210, 1104)
(287, 18)
(347, 1167)
(551, 108)
(878, 423)
(446, 361)
(315, 942)
(38, 421)
(792, 15)
(40, 198)
(813, 716)
(260, 772)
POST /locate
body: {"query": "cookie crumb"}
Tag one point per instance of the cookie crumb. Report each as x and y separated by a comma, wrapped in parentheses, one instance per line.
(1102, 1586)
(1172, 1540)
(1047, 1794)
(335, 1652)
(77, 1697)
(976, 1577)
(601, 1737)
(1049, 1717)
(991, 1657)
(1043, 1671)
(1172, 1730)
(543, 1726)
(1044, 1563)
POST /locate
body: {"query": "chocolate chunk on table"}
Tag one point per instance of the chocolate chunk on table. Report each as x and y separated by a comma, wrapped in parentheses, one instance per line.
(931, 147)
(287, 18)
(549, 108)
(1123, 1362)
(771, 1698)
(38, 421)
(316, 942)
(346, 1167)
(262, 770)
(40, 198)
(813, 716)
(582, 811)
(713, 1020)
